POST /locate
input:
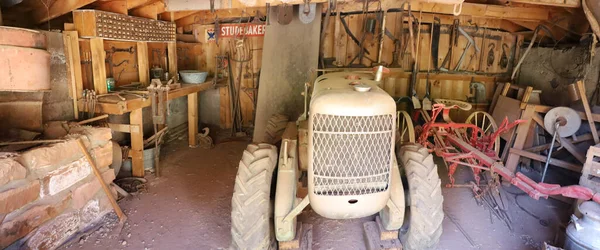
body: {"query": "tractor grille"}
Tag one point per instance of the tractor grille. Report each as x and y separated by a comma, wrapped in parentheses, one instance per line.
(351, 154)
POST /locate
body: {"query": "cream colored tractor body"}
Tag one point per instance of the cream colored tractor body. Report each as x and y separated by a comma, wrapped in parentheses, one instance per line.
(344, 151)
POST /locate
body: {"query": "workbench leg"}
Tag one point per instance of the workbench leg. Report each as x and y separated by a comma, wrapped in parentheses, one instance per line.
(137, 143)
(193, 119)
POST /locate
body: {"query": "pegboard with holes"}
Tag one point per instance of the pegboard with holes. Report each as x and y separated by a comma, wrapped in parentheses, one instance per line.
(94, 23)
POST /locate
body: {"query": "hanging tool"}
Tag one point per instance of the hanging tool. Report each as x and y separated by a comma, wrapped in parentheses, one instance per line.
(435, 41)
(504, 58)
(381, 36)
(285, 12)
(414, 52)
(426, 100)
(268, 19)
(470, 42)
(453, 42)
(491, 57)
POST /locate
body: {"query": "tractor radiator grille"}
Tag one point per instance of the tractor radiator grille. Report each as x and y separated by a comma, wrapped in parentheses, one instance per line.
(351, 154)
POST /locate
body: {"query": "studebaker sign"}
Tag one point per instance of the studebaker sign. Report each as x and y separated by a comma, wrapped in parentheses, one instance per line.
(236, 30)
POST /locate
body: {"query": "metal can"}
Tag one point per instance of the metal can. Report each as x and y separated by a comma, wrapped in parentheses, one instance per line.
(582, 233)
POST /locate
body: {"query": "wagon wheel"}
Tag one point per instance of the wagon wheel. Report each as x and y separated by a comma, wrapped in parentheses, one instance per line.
(406, 130)
(487, 124)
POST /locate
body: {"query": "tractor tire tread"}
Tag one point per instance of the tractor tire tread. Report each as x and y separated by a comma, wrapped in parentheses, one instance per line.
(426, 206)
(250, 221)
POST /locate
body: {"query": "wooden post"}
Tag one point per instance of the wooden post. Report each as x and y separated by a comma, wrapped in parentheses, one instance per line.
(137, 143)
(143, 65)
(71, 43)
(98, 65)
(193, 119)
(588, 112)
(172, 58)
(521, 132)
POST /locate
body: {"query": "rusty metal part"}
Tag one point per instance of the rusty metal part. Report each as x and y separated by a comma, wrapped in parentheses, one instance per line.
(285, 13)
(24, 69)
(22, 38)
(458, 147)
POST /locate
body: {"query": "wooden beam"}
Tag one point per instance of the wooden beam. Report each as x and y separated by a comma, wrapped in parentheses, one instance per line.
(539, 13)
(172, 58)
(521, 132)
(588, 113)
(132, 4)
(544, 109)
(173, 16)
(115, 6)
(98, 65)
(71, 43)
(143, 65)
(150, 11)
(137, 144)
(206, 17)
(44, 10)
(557, 3)
(555, 162)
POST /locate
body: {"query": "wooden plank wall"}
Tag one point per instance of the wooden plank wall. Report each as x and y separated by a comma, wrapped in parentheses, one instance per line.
(125, 64)
(202, 56)
(340, 47)
(337, 46)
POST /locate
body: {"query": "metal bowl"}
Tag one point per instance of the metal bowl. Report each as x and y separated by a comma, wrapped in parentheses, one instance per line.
(193, 76)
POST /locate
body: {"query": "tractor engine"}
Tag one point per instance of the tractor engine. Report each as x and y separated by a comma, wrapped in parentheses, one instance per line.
(350, 145)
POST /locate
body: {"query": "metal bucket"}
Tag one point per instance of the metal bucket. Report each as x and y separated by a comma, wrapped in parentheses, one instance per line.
(149, 159)
(582, 233)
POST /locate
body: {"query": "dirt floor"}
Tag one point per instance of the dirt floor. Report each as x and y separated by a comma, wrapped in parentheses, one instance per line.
(189, 208)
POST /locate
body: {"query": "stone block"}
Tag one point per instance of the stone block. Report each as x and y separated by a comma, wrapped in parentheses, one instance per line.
(11, 170)
(18, 195)
(19, 225)
(95, 136)
(55, 232)
(46, 158)
(103, 156)
(85, 192)
(64, 177)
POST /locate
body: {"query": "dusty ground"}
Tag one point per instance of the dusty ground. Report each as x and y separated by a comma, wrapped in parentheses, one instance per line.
(189, 208)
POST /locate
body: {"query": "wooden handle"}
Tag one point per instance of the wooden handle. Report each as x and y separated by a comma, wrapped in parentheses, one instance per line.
(112, 200)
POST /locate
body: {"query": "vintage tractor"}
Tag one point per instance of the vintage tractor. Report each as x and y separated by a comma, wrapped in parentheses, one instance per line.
(343, 152)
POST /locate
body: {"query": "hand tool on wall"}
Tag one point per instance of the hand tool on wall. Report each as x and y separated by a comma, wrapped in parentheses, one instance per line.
(470, 42)
(415, 51)
(426, 98)
(453, 42)
(504, 58)
(490, 56)
(435, 41)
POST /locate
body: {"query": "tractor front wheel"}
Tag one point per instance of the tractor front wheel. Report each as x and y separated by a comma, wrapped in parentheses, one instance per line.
(251, 223)
(425, 212)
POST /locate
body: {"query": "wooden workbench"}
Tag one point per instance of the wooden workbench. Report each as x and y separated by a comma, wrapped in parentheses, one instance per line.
(113, 105)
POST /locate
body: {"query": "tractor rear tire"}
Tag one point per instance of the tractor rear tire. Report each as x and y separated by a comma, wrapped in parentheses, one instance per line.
(251, 223)
(425, 212)
(275, 128)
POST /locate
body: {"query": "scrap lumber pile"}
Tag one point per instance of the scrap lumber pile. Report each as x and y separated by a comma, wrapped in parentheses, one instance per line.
(48, 193)
(555, 136)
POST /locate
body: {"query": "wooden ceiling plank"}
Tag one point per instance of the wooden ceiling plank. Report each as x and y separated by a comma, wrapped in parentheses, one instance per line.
(150, 11)
(206, 17)
(115, 6)
(176, 15)
(51, 9)
(132, 4)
